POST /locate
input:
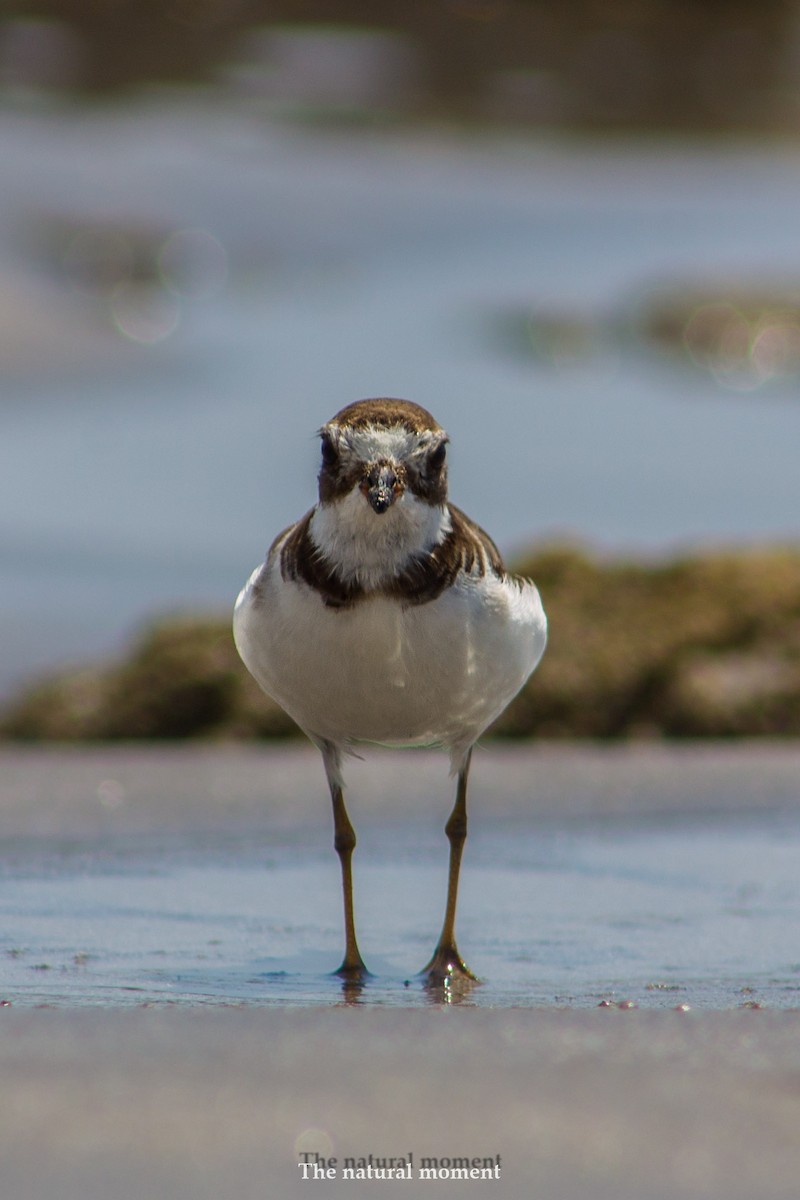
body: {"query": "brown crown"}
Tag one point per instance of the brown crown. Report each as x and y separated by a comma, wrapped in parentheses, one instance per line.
(387, 412)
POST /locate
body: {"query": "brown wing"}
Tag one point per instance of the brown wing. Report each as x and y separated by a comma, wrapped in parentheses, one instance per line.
(466, 548)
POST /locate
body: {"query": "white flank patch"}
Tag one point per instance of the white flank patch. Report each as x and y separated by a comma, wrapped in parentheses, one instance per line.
(381, 671)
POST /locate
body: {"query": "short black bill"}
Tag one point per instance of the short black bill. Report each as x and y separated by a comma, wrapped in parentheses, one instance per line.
(381, 487)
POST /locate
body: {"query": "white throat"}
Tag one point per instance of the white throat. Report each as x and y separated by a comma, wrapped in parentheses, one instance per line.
(368, 548)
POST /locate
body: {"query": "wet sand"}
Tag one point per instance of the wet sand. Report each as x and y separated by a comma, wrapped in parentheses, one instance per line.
(200, 875)
(113, 1092)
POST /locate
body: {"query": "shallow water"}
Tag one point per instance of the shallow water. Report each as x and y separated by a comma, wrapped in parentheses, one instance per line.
(141, 476)
(659, 905)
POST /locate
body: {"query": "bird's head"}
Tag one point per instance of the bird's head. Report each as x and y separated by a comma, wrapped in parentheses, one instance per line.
(382, 490)
(386, 451)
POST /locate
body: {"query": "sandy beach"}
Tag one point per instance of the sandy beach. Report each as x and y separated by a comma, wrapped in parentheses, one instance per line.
(189, 1106)
(100, 790)
(163, 1036)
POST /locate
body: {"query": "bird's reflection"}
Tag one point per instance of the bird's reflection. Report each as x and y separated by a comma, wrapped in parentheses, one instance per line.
(454, 990)
(353, 988)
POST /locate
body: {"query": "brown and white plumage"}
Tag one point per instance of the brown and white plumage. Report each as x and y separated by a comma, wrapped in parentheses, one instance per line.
(386, 615)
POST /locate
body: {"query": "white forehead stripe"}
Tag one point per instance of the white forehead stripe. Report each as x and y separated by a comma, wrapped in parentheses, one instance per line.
(370, 443)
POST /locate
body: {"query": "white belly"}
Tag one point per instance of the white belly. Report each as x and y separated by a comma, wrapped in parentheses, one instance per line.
(432, 673)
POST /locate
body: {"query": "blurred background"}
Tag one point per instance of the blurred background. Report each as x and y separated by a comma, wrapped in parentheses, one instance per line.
(571, 231)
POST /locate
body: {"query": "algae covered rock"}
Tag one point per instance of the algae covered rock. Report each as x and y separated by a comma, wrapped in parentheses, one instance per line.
(183, 678)
(707, 645)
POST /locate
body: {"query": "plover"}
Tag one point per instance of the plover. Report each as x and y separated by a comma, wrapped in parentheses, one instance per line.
(386, 615)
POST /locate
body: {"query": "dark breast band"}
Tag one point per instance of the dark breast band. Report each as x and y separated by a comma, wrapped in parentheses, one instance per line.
(466, 548)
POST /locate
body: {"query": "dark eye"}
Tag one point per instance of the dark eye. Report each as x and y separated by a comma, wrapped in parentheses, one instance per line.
(329, 455)
(436, 457)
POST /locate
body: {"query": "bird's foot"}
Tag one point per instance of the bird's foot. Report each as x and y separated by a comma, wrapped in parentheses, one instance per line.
(353, 971)
(447, 969)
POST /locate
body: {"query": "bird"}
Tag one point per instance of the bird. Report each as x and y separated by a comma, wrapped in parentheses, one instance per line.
(386, 615)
